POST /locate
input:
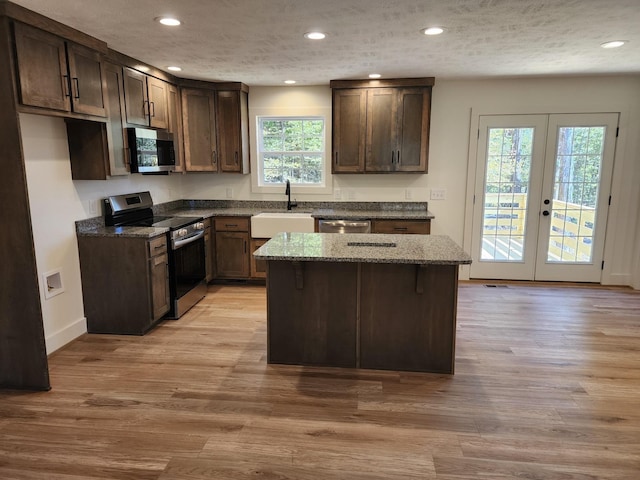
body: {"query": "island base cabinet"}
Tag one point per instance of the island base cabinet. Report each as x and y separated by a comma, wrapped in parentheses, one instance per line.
(310, 319)
(408, 317)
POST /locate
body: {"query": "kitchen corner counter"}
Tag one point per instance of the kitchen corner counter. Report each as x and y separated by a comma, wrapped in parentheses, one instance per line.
(102, 231)
(365, 248)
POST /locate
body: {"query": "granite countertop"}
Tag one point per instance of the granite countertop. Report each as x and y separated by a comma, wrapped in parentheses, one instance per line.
(366, 248)
(223, 208)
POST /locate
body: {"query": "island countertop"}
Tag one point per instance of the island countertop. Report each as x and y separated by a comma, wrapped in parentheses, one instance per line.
(365, 248)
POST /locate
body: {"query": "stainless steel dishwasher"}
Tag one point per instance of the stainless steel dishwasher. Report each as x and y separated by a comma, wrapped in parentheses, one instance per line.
(344, 226)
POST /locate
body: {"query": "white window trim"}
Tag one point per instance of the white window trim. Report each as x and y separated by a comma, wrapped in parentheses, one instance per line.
(299, 112)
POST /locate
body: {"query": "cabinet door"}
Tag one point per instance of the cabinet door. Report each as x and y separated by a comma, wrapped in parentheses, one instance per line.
(174, 118)
(116, 139)
(198, 116)
(158, 112)
(258, 267)
(349, 130)
(228, 118)
(422, 227)
(42, 69)
(85, 71)
(135, 96)
(381, 149)
(209, 251)
(413, 129)
(232, 254)
(159, 285)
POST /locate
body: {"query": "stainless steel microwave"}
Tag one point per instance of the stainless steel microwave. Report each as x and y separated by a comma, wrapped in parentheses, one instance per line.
(151, 151)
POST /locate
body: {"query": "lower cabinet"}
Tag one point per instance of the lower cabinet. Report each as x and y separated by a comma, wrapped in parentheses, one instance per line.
(422, 227)
(232, 247)
(258, 267)
(125, 282)
(209, 251)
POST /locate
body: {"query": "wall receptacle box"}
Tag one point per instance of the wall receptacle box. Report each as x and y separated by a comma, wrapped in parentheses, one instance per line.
(229, 192)
(337, 194)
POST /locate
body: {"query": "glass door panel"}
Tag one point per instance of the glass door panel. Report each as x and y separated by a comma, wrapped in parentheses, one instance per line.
(578, 170)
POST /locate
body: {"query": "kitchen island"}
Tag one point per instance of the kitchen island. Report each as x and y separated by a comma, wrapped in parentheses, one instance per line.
(376, 301)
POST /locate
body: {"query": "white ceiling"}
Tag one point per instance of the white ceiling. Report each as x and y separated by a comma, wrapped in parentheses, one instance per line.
(260, 42)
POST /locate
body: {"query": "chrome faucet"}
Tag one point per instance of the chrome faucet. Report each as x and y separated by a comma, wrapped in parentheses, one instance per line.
(287, 192)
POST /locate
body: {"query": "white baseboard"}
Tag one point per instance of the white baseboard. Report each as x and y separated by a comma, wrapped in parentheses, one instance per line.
(60, 338)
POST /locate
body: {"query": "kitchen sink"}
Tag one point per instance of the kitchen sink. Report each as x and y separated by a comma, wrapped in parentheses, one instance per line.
(267, 224)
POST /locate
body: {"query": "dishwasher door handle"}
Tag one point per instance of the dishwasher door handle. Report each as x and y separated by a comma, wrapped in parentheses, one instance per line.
(343, 223)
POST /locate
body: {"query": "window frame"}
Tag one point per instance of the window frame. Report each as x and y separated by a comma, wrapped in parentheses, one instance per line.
(322, 154)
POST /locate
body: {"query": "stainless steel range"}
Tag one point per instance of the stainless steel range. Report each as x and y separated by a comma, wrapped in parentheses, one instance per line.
(187, 269)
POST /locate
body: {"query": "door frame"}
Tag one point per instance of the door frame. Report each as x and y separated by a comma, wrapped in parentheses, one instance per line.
(609, 277)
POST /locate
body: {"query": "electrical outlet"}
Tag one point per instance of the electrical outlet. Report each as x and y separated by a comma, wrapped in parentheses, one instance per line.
(438, 194)
(337, 194)
(407, 194)
(229, 192)
(94, 207)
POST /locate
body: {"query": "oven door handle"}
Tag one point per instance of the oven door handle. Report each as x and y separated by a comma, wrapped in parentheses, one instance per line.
(186, 241)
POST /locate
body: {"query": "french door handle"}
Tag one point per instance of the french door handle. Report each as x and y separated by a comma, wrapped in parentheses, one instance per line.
(546, 201)
(545, 213)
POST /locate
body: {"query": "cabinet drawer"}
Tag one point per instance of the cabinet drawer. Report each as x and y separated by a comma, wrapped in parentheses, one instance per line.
(231, 224)
(401, 226)
(157, 246)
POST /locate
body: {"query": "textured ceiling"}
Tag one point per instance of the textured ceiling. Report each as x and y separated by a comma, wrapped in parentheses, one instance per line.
(260, 42)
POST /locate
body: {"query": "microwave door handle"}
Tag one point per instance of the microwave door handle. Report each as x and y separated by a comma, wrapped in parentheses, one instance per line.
(181, 243)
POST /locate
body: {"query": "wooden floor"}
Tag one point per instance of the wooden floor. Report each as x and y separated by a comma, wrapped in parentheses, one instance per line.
(547, 386)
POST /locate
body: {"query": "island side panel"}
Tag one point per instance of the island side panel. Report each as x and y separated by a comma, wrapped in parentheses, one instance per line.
(402, 329)
(314, 324)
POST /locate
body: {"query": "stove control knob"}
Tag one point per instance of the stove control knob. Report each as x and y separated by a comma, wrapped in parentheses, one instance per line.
(182, 232)
(199, 225)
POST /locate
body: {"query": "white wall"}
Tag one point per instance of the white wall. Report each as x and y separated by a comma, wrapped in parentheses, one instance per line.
(56, 202)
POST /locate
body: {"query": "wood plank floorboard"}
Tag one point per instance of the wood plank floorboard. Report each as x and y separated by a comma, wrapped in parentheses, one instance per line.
(547, 386)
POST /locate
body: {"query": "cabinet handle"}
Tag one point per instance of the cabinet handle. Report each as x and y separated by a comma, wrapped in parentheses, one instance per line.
(152, 109)
(67, 86)
(145, 108)
(245, 246)
(236, 158)
(77, 95)
(400, 229)
(230, 224)
(214, 157)
(398, 157)
(393, 156)
(336, 158)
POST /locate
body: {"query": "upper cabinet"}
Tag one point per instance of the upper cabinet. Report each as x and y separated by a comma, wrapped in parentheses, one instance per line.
(381, 127)
(199, 125)
(145, 100)
(58, 75)
(216, 129)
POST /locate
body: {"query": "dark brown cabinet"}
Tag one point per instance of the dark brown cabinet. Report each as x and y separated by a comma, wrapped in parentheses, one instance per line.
(232, 247)
(209, 251)
(174, 119)
(233, 130)
(258, 267)
(216, 129)
(381, 127)
(126, 287)
(145, 99)
(58, 75)
(199, 124)
(116, 139)
(422, 227)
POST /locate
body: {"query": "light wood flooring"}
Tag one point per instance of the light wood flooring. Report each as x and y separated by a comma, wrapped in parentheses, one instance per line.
(547, 386)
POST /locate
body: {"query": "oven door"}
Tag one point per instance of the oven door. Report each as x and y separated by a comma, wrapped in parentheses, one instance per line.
(186, 274)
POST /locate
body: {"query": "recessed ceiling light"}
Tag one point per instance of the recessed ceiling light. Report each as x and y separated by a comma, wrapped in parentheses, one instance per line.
(174, 69)
(314, 35)
(432, 30)
(169, 21)
(289, 82)
(374, 75)
(613, 44)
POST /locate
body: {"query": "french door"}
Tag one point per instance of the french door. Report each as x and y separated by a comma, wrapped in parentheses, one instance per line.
(542, 196)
